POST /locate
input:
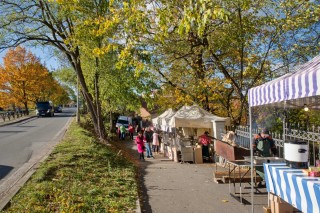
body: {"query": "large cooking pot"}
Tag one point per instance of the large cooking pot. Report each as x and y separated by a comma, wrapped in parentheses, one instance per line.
(296, 154)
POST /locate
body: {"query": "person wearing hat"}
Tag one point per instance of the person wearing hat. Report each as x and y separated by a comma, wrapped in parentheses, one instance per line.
(205, 141)
(263, 146)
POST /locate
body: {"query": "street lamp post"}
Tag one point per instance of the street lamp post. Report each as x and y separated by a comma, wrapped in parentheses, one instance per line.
(78, 108)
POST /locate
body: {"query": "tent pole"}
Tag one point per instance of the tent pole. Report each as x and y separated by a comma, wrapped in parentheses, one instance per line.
(251, 161)
(284, 126)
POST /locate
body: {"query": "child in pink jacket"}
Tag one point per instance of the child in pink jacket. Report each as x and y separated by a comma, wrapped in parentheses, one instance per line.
(140, 145)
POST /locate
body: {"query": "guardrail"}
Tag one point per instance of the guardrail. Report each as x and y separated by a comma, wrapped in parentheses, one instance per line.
(11, 115)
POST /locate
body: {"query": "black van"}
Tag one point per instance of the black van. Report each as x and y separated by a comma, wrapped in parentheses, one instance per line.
(44, 108)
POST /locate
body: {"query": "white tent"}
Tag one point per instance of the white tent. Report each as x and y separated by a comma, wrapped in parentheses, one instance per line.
(156, 120)
(162, 121)
(194, 117)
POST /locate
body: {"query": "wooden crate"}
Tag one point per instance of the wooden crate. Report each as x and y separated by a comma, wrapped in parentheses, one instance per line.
(223, 177)
(229, 152)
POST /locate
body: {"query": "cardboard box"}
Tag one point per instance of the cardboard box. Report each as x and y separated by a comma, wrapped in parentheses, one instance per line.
(283, 208)
(266, 209)
(198, 155)
(280, 206)
(271, 202)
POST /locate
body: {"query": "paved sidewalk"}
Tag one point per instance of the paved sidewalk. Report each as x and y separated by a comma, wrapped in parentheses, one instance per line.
(167, 186)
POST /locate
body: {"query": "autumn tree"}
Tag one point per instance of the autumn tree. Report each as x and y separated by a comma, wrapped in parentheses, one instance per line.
(109, 73)
(59, 94)
(200, 51)
(47, 23)
(24, 78)
(4, 100)
(212, 52)
(88, 33)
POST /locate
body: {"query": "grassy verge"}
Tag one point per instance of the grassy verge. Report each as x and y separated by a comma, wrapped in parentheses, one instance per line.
(79, 176)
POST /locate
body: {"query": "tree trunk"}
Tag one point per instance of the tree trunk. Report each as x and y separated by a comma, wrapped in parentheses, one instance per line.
(111, 122)
(26, 107)
(99, 116)
(98, 126)
(243, 104)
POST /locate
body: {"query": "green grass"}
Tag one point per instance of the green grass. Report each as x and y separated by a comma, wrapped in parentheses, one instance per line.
(80, 175)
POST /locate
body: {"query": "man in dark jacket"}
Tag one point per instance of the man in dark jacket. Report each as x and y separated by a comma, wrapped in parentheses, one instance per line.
(264, 146)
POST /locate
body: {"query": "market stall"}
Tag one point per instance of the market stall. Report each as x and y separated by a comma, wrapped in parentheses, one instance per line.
(189, 123)
(298, 89)
(294, 186)
(164, 121)
(161, 122)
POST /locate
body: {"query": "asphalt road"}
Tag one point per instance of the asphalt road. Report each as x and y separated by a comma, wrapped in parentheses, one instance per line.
(24, 144)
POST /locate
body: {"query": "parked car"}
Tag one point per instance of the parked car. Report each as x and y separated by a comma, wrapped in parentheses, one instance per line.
(124, 120)
(44, 108)
(57, 109)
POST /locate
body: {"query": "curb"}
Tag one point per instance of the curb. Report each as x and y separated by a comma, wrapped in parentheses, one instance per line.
(138, 209)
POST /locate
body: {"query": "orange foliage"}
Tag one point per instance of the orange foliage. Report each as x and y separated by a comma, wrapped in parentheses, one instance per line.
(24, 79)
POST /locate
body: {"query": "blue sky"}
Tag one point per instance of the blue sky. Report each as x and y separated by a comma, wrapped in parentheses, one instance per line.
(44, 54)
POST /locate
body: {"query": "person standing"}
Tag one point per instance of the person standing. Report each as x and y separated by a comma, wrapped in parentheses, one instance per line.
(123, 132)
(140, 145)
(155, 142)
(148, 140)
(131, 131)
(264, 146)
(138, 128)
(119, 132)
(205, 141)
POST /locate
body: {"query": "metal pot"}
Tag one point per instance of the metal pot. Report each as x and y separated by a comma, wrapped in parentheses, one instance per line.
(296, 154)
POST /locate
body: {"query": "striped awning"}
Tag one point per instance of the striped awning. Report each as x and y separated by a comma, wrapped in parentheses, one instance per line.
(293, 186)
(296, 89)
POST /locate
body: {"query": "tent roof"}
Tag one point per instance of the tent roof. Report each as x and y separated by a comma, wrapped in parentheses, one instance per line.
(165, 115)
(164, 121)
(293, 90)
(194, 117)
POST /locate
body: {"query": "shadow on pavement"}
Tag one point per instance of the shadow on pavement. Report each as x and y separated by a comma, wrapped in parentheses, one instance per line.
(4, 170)
(143, 195)
(131, 150)
(11, 131)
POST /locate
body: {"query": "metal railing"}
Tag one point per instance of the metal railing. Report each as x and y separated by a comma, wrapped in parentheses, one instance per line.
(11, 115)
(310, 135)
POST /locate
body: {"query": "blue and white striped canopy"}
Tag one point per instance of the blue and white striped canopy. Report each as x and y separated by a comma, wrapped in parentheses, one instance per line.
(296, 89)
